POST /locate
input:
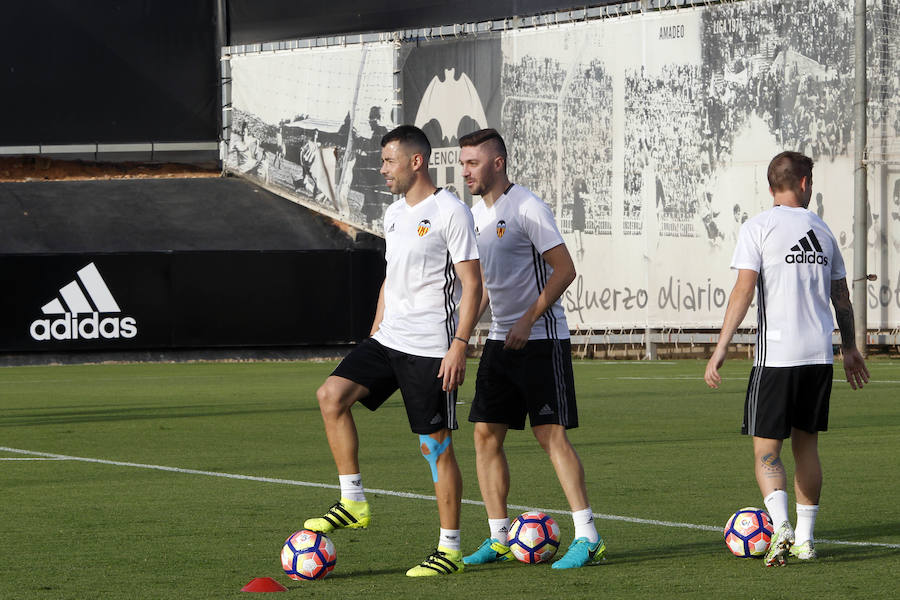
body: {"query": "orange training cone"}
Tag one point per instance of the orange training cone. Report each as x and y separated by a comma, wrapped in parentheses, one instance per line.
(264, 584)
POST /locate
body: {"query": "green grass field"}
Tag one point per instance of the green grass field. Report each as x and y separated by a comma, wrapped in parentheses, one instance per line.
(657, 445)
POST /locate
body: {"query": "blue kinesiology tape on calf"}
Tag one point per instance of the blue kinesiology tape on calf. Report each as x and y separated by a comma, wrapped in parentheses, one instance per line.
(431, 450)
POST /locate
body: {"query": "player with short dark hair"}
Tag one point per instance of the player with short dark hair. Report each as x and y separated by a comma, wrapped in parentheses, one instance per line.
(526, 365)
(791, 259)
(417, 343)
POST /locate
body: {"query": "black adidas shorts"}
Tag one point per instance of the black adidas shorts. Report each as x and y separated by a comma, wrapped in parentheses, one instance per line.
(779, 398)
(383, 371)
(536, 380)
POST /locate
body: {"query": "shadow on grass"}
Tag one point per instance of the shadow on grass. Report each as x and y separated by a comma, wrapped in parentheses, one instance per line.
(847, 554)
(141, 413)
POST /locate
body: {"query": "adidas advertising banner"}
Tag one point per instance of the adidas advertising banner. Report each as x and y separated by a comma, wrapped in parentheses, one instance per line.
(186, 300)
(76, 302)
(649, 136)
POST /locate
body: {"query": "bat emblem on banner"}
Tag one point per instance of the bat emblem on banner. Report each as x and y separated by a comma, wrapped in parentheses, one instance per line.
(447, 106)
(449, 102)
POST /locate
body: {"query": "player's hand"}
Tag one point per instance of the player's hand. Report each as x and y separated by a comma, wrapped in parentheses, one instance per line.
(855, 369)
(518, 334)
(712, 377)
(453, 366)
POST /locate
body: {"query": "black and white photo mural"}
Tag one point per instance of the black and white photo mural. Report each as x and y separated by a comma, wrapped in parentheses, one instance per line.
(648, 135)
(308, 123)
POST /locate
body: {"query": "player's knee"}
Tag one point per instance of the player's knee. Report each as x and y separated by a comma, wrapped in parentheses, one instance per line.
(432, 450)
(486, 441)
(552, 438)
(330, 401)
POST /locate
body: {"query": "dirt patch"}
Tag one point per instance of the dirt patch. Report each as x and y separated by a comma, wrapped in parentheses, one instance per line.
(41, 168)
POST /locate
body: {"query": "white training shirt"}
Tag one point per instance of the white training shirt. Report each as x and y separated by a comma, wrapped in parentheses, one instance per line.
(512, 235)
(421, 292)
(797, 258)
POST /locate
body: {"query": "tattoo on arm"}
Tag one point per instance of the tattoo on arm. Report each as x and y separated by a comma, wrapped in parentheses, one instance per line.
(843, 311)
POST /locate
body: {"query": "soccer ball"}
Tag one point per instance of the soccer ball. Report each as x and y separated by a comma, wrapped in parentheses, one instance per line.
(533, 537)
(307, 555)
(748, 532)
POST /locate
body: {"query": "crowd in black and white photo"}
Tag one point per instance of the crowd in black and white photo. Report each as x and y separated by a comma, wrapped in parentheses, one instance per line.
(790, 63)
(530, 134)
(587, 149)
(558, 126)
(663, 115)
(533, 77)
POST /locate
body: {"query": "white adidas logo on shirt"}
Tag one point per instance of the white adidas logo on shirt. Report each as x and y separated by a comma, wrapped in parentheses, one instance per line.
(89, 297)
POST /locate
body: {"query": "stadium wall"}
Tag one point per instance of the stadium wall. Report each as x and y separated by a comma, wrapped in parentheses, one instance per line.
(256, 21)
(647, 132)
(110, 80)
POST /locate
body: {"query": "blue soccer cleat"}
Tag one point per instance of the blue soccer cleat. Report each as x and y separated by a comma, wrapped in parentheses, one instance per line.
(581, 552)
(491, 550)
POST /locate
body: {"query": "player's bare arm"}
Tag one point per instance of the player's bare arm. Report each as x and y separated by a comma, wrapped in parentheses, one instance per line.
(560, 260)
(379, 311)
(738, 304)
(453, 365)
(854, 364)
(485, 298)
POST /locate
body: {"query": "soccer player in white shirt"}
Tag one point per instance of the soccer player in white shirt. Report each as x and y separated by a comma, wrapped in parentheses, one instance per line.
(417, 343)
(526, 366)
(790, 258)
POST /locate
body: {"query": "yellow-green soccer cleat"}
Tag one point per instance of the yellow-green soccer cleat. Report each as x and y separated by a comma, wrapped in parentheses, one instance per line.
(804, 551)
(346, 514)
(580, 553)
(490, 550)
(442, 561)
(780, 546)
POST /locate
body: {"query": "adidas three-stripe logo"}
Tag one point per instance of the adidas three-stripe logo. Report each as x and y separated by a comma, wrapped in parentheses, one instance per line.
(75, 299)
(88, 294)
(439, 562)
(807, 250)
(339, 517)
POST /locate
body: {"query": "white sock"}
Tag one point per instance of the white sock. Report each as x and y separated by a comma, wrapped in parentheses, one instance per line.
(499, 529)
(777, 507)
(806, 521)
(352, 487)
(584, 525)
(449, 539)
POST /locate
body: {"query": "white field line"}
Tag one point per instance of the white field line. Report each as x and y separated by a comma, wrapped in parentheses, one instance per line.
(700, 378)
(550, 511)
(33, 458)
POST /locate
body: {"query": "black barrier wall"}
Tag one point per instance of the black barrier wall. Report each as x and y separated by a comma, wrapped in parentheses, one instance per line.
(255, 21)
(187, 299)
(109, 71)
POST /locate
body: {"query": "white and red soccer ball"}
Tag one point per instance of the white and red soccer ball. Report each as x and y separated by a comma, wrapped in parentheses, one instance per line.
(748, 533)
(308, 555)
(533, 537)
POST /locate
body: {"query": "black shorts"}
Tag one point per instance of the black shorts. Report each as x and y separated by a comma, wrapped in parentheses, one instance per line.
(383, 371)
(779, 398)
(536, 380)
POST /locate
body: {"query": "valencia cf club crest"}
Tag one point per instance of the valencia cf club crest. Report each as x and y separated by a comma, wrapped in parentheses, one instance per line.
(424, 226)
(501, 228)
